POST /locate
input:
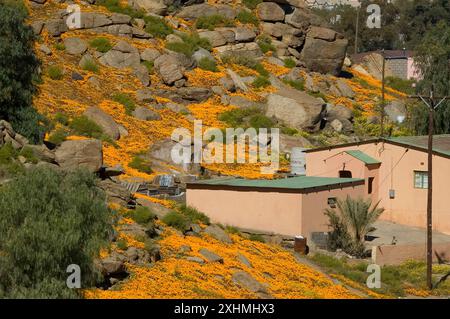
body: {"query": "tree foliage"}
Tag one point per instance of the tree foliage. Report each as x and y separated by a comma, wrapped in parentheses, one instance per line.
(18, 69)
(48, 221)
(350, 223)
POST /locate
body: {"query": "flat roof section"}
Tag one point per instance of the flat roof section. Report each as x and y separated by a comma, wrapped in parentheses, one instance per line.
(363, 157)
(298, 183)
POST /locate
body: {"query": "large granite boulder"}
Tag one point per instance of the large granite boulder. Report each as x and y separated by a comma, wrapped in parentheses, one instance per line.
(270, 11)
(87, 154)
(104, 120)
(122, 55)
(169, 68)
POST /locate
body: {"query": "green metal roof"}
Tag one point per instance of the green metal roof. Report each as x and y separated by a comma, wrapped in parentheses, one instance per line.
(441, 143)
(299, 182)
(362, 157)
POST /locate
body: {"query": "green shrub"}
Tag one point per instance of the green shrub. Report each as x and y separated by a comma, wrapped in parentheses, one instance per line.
(245, 16)
(61, 118)
(101, 44)
(19, 71)
(49, 220)
(289, 63)
(126, 101)
(149, 65)
(289, 131)
(402, 85)
(236, 117)
(296, 84)
(246, 61)
(210, 22)
(84, 126)
(261, 70)
(28, 153)
(141, 165)
(122, 244)
(176, 220)
(232, 230)
(265, 44)
(208, 64)
(7, 153)
(90, 65)
(117, 7)
(142, 215)
(58, 136)
(194, 215)
(257, 237)
(261, 81)
(318, 95)
(190, 44)
(55, 72)
(260, 121)
(251, 4)
(60, 46)
(157, 27)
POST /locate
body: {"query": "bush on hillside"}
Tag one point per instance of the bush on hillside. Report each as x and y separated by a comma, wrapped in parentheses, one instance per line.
(126, 101)
(208, 64)
(190, 44)
(101, 44)
(245, 16)
(210, 22)
(48, 221)
(157, 27)
(141, 165)
(261, 82)
(19, 71)
(251, 4)
(176, 220)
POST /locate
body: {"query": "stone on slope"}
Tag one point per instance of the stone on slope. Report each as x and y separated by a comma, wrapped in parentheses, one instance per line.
(244, 260)
(249, 49)
(150, 54)
(122, 55)
(210, 256)
(245, 280)
(216, 38)
(75, 46)
(218, 233)
(237, 80)
(104, 120)
(270, 11)
(169, 68)
(141, 72)
(197, 10)
(287, 110)
(158, 7)
(71, 155)
(145, 114)
(320, 54)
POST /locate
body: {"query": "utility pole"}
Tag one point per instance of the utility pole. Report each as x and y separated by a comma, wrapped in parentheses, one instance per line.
(382, 94)
(430, 101)
(357, 29)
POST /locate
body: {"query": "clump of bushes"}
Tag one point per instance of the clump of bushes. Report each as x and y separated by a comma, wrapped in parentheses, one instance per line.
(246, 61)
(194, 215)
(296, 84)
(246, 117)
(117, 7)
(190, 44)
(157, 27)
(90, 65)
(251, 4)
(208, 64)
(149, 65)
(55, 72)
(289, 63)
(126, 101)
(265, 44)
(58, 136)
(176, 220)
(70, 224)
(101, 44)
(210, 22)
(60, 46)
(142, 215)
(82, 125)
(261, 82)
(257, 237)
(141, 165)
(245, 16)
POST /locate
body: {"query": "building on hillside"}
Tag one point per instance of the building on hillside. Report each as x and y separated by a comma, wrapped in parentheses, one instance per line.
(398, 63)
(290, 206)
(395, 173)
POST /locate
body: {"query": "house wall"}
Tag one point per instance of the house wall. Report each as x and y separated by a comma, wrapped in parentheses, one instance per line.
(397, 172)
(398, 67)
(265, 211)
(314, 204)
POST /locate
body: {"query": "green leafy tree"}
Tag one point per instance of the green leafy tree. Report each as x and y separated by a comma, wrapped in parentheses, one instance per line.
(351, 222)
(48, 221)
(433, 60)
(18, 68)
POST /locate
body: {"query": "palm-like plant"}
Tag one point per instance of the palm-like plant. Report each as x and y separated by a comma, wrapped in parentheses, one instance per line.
(351, 222)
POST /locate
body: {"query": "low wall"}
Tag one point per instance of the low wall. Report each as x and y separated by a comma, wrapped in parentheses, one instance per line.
(397, 254)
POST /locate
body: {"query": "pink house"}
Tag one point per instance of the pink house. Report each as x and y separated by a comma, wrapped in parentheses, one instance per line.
(395, 173)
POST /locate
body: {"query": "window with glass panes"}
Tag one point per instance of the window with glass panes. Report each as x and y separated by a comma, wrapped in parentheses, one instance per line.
(420, 179)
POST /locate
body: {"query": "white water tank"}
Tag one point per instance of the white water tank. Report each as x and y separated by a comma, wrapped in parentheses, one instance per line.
(298, 161)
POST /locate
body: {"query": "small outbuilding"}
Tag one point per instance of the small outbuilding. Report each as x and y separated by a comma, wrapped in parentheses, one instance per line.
(290, 206)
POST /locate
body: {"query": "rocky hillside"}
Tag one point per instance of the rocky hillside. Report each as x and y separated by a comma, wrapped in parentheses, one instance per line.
(117, 82)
